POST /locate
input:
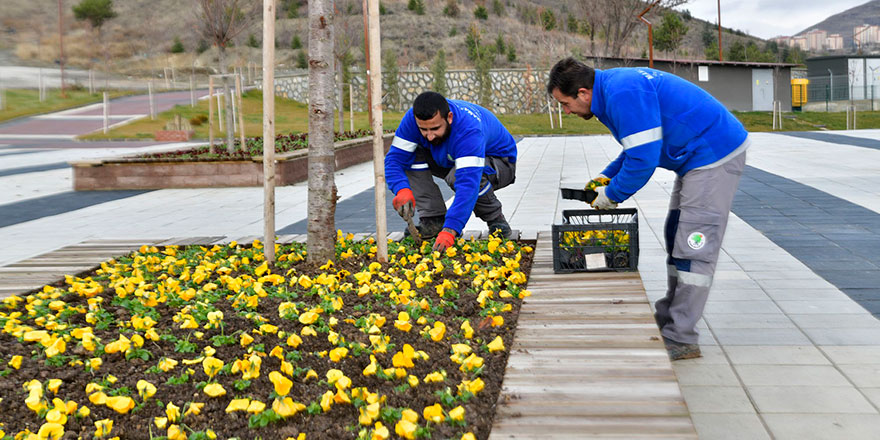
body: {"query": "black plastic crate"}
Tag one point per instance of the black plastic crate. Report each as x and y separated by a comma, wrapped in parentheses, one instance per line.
(590, 240)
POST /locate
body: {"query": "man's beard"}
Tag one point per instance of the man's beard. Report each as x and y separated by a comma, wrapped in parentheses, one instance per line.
(440, 140)
(587, 116)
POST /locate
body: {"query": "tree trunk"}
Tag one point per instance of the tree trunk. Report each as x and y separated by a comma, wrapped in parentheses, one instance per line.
(227, 105)
(322, 189)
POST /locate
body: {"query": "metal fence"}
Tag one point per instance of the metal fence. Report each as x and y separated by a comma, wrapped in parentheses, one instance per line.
(838, 88)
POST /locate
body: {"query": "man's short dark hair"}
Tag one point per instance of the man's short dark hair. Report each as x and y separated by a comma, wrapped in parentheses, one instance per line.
(570, 75)
(428, 104)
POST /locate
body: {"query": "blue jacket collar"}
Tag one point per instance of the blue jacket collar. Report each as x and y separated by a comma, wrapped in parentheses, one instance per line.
(597, 106)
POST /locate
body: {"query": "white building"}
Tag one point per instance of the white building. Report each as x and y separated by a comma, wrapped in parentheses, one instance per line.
(816, 39)
(834, 42)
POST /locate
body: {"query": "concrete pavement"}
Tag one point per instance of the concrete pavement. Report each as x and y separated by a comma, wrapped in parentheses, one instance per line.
(790, 350)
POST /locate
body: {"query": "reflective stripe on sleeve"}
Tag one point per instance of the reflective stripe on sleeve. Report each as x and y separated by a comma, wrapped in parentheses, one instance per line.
(470, 161)
(485, 189)
(404, 145)
(642, 138)
(419, 166)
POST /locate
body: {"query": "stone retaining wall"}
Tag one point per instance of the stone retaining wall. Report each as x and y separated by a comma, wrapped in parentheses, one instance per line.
(513, 90)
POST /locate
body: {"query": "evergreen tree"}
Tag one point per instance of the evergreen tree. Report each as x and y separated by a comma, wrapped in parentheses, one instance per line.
(499, 45)
(417, 6)
(296, 43)
(96, 12)
(439, 71)
(498, 8)
(670, 33)
(548, 20)
(202, 47)
(252, 41)
(451, 9)
(301, 61)
(511, 53)
(391, 78)
(177, 47)
(481, 12)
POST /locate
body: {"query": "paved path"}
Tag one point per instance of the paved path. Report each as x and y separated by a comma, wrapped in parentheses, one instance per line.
(790, 350)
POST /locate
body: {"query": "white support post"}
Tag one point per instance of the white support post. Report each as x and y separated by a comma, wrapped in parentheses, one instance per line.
(40, 86)
(173, 76)
(192, 91)
(152, 101)
(219, 113)
(2, 95)
(350, 108)
(167, 79)
(210, 114)
(559, 111)
(774, 116)
(550, 113)
(106, 113)
(91, 82)
(234, 114)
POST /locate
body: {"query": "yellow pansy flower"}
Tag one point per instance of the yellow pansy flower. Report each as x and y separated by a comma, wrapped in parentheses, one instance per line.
(214, 390)
(496, 345)
(281, 383)
(103, 427)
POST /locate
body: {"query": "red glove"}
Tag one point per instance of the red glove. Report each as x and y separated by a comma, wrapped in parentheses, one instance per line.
(445, 239)
(404, 202)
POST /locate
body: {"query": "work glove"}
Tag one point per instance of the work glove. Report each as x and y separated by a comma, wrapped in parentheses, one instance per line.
(598, 181)
(404, 203)
(445, 239)
(602, 201)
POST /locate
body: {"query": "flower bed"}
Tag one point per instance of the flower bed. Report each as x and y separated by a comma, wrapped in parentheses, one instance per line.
(197, 342)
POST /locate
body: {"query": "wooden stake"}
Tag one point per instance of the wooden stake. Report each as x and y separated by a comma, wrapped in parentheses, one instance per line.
(378, 141)
(240, 110)
(350, 108)
(40, 86)
(268, 131)
(192, 91)
(220, 110)
(106, 113)
(559, 110)
(550, 113)
(152, 102)
(91, 82)
(211, 114)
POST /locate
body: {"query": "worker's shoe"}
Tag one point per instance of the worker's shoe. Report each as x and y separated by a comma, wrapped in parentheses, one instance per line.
(429, 227)
(679, 350)
(500, 227)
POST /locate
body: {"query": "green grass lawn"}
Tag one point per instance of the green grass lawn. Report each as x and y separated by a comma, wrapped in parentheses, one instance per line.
(26, 102)
(292, 116)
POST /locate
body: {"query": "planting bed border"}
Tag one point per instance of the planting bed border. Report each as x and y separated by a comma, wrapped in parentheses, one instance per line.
(139, 173)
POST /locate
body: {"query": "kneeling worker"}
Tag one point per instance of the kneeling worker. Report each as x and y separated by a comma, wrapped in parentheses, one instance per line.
(465, 145)
(664, 121)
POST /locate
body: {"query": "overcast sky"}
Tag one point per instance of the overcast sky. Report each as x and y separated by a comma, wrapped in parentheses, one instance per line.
(769, 18)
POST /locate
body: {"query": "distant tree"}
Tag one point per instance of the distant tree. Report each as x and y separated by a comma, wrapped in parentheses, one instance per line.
(548, 20)
(481, 12)
(499, 44)
(177, 47)
(472, 43)
(453, 31)
(391, 78)
(616, 20)
(485, 61)
(736, 52)
(498, 8)
(451, 9)
(708, 36)
(252, 41)
(296, 43)
(511, 53)
(439, 71)
(686, 14)
(301, 61)
(417, 6)
(711, 51)
(382, 9)
(670, 33)
(573, 25)
(96, 12)
(795, 56)
(292, 7)
(220, 21)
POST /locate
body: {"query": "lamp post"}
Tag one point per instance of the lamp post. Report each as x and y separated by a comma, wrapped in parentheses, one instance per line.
(650, 35)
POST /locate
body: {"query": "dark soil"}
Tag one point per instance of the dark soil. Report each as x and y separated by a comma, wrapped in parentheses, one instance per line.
(112, 317)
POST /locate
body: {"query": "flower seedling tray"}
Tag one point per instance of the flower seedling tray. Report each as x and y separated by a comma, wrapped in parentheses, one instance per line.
(590, 240)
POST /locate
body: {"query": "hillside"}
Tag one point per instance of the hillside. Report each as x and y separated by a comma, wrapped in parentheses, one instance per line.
(138, 40)
(844, 22)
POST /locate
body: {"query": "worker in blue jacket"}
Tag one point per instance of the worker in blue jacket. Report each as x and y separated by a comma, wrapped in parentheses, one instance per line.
(465, 145)
(664, 121)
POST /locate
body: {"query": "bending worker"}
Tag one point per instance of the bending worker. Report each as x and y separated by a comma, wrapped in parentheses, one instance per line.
(465, 145)
(664, 121)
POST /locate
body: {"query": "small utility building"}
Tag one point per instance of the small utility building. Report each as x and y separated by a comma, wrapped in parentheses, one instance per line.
(742, 86)
(844, 78)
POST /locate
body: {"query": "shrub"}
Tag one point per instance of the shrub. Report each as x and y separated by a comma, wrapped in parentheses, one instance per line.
(548, 20)
(301, 61)
(417, 6)
(252, 41)
(451, 9)
(481, 13)
(296, 43)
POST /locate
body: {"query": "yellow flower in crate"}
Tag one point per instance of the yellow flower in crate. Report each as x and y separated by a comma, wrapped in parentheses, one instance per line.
(120, 404)
(403, 358)
(118, 346)
(435, 376)
(311, 374)
(56, 416)
(57, 347)
(277, 352)
(172, 411)
(468, 436)
(284, 407)
(212, 366)
(471, 363)
(160, 422)
(294, 341)
(402, 322)
(215, 390)
(103, 427)
(368, 413)
(308, 317)
(327, 401)
(370, 369)
(245, 339)
(407, 425)
(145, 389)
(83, 412)
(496, 345)
(433, 413)
(281, 383)
(237, 405)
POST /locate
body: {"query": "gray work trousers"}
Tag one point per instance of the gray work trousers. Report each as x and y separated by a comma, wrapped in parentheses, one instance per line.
(695, 225)
(429, 200)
